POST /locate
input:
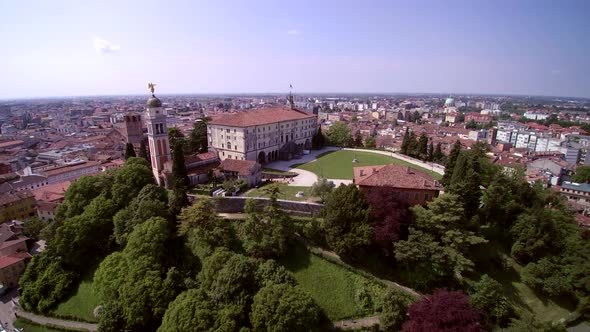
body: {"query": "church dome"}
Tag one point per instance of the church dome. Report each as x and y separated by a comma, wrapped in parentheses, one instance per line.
(449, 101)
(153, 101)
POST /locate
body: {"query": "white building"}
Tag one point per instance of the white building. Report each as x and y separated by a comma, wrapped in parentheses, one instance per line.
(536, 116)
(262, 135)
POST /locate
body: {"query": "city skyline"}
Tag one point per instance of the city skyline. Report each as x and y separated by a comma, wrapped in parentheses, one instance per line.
(535, 48)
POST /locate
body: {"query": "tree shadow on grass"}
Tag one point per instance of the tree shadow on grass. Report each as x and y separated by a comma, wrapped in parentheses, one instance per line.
(297, 257)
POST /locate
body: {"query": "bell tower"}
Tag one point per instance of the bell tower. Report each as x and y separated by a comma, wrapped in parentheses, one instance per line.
(155, 117)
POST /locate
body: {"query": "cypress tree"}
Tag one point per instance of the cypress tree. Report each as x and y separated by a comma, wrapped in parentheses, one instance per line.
(143, 151)
(180, 180)
(423, 146)
(129, 151)
(358, 139)
(438, 155)
(450, 164)
(430, 156)
(405, 142)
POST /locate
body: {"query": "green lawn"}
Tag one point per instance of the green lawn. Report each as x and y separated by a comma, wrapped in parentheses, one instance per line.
(338, 164)
(335, 289)
(82, 303)
(29, 327)
(287, 192)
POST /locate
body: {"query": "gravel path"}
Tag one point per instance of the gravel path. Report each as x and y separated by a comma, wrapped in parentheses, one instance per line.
(42, 320)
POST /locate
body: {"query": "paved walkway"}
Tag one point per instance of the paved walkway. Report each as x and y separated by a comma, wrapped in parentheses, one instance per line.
(304, 178)
(42, 320)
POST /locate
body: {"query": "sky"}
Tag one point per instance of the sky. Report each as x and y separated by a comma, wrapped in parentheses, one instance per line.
(82, 48)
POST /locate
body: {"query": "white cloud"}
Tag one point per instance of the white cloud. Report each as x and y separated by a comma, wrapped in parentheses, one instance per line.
(293, 32)
(104, 46)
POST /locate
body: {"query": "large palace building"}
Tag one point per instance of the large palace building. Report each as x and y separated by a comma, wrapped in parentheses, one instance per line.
(262, 135)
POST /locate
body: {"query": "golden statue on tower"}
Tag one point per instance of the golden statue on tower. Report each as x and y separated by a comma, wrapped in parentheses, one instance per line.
(151, 87)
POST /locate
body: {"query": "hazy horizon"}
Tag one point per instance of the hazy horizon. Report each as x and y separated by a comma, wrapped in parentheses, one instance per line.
(513, 48)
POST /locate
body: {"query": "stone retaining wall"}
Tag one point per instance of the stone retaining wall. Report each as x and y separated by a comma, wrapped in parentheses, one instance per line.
(236, 205)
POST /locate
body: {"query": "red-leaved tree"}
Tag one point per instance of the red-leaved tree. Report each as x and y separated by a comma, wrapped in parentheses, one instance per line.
(389, 218)
(443, 311)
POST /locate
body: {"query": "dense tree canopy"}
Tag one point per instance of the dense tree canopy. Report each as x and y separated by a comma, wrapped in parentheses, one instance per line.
(266, 234)
(439, 242)
(339, 134)
(443, 311)
(346, 220)
(582, 174)
(487, 296)
(395, 306)
(283, 307)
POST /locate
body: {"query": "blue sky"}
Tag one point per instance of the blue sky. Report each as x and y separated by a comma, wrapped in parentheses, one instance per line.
(63, 48)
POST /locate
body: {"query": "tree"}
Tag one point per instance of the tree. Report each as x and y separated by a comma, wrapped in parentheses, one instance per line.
(405, 142)
(487, 296)
(81, 192)
(176, 137)
(370, 142)
(201, 220)
(266, 233)
(192, 310)
(471, 125)
(318, 140)
(136, 278)
(129, 180)
(339, 134)
(358, 139)
(423, 146)
(443, 311)
(582, 174)
(450, 164)
(346, 220)
(548, 276)
(270, 273)
(438, 154)
(322, 188)
(45, 283)
(235, 282)
(129, 151)
(32, 227)
(466, 181)
(395, 306)
(143, 153)
(439, 243)
(198, 141)
(539, 233)
(150, 202)
(180, 181)
(282, 307)
(430, 153)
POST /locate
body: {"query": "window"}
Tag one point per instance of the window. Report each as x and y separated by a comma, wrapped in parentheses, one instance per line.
(426, 196)
(407, 196)
(227, 131)
(417, 196)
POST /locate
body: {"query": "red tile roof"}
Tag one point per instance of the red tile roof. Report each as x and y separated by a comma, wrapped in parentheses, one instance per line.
(259, 117)
(243, 167)
(395, 176)
(51, 192)
(13, 259)
(200, 157)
